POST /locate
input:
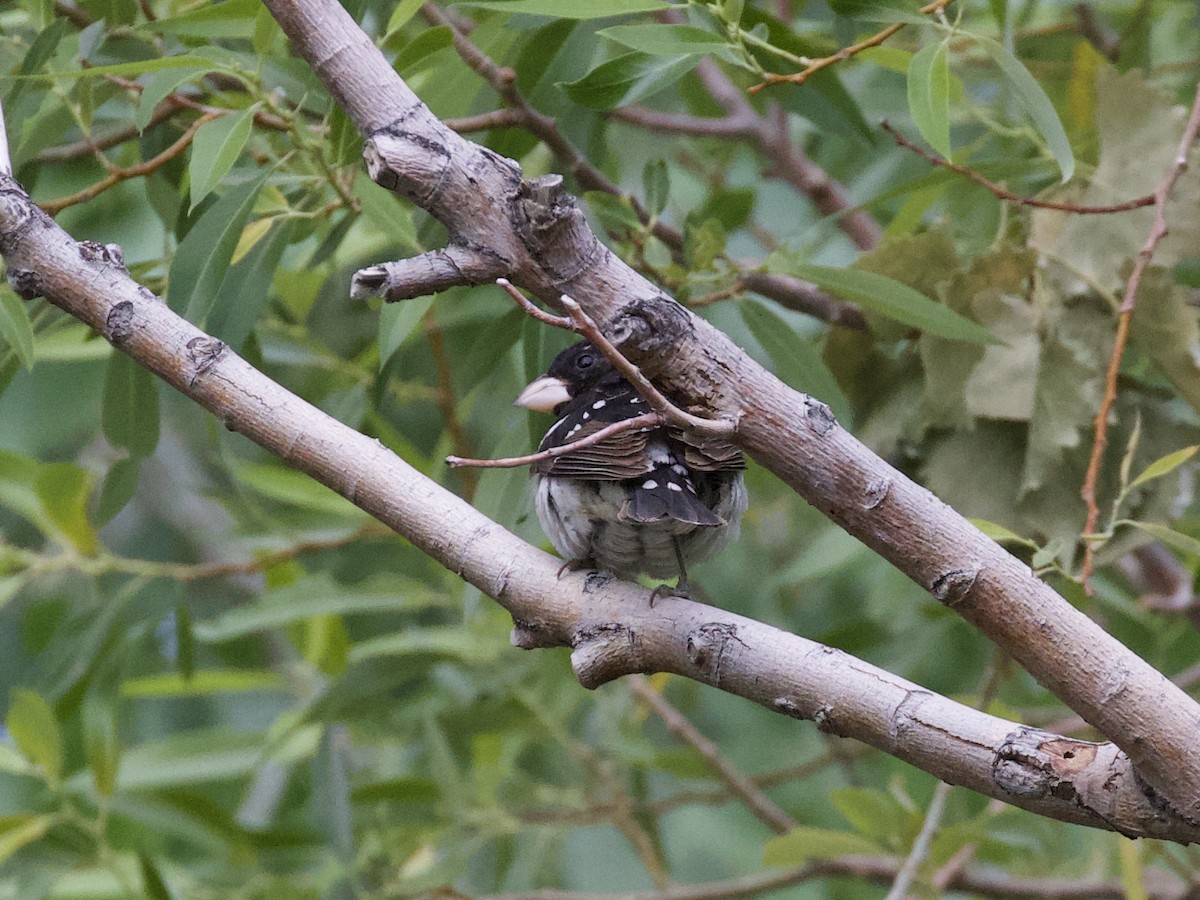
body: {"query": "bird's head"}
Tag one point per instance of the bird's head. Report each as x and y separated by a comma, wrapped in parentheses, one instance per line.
(573, 371)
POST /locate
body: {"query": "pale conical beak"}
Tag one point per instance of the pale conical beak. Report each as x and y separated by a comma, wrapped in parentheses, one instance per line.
(544, 394)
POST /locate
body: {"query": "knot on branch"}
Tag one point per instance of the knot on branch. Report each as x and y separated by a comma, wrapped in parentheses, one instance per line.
(530, 635)
(106, 254)
(553, 230)
(708, 646)
(118, 325)
(407, 161)
(951, 588)
(604, 652)
(17, 213)
(204, 353)
(654, 326)
(818, 416)
(25, 283)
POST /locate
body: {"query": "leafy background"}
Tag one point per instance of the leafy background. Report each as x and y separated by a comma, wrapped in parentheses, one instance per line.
(224, 681)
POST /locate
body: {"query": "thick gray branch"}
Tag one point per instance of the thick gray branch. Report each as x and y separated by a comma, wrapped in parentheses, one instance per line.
(612, 628)
(481, 197)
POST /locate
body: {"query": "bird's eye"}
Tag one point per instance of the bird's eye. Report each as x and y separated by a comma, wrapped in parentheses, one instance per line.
(585, 361)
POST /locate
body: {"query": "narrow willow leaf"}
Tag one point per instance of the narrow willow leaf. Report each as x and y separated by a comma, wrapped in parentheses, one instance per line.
(1036, 103)
(929, 96)
(126, 70)
(670, 40)
(887, 297)
(1165, 464)
(229, 19)
(802, 844)
(404, 11)
(247, 286)
(656, 186)
(207, 681)
(562, 9)
(129, 415)
(159, 87)
(1169, 536)
(627, 78)
(1000, 534)
(120, 484)
(398, 322)
(203, 256)
(21, 830)
(35, 731)
(215, 149)
(63, 490)
(100, 742)
(797, 359)
(15, 327)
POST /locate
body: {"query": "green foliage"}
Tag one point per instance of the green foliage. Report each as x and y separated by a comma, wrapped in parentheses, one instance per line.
(222, 680)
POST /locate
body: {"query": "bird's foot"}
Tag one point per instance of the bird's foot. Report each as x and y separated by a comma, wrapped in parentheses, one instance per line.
(594, 580)
(682, 591)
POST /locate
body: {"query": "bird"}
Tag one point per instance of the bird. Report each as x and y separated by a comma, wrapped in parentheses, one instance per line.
(646, 501)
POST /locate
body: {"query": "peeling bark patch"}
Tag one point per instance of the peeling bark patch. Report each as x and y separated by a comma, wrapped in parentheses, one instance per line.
(823, 718)
(818, 416)
(530, 635)
(146, 294)
(205, 352)
(788, 707)
(119, 323)
(951, 588)
(25, 283)
(654, 325)
(707, 646)
(876, 493)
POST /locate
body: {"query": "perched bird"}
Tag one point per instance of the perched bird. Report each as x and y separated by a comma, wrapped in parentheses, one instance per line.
(650, 500)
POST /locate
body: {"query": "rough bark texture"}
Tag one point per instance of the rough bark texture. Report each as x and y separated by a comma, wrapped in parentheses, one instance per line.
(536, 230)
(611, 629)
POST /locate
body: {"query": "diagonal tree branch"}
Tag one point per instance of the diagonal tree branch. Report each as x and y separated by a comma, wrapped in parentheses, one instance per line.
(537, 228)
(612, 628)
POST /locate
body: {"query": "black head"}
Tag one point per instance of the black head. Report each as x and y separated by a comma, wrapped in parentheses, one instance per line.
(577, 369)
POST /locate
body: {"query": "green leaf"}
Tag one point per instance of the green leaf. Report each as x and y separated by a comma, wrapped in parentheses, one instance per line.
(387, 212)
(292, 487)
(1000, 534)
(802, 844)
(21, 830)
(15, 327)
(120, 484)
(421, 47)
(627, 78)
(129, 415)
(563, 9)
(159, 87)
(203, 683)
(437, 641)
(887, 297)
(670, 40)
(333, 816)
(203, 256)
(401, 15)
(1036, 103)
(656, 186)
(228, 19)
(929, 96)
(1185, 543)
(398, 322)
(320, 596)
(215, 148)
(247, 287)
(101, 745)
(35, 731)
(153, 882)
(185, 641)
(797, 360)
(879, 11)
(63, 490)
(1165, 464)
(131, 69)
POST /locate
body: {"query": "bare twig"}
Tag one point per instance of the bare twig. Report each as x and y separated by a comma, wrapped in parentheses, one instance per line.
(117, 175)
(1124, 317)
(677, 723)
(1003, 193)
(497, 118)
(921, 846)
(647, 420)
(845, 53)
(581, 323)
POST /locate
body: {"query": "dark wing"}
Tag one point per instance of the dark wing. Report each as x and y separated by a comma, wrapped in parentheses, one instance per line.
(616, 458)
(707, 455)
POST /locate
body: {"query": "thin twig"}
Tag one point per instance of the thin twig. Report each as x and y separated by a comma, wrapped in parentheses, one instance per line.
(921, 846)
(845, 53)
(1124, 317)
(581, 323)
(1003, 193)
(677, 723)
(497, 118)
(117, 175)
(646, 420)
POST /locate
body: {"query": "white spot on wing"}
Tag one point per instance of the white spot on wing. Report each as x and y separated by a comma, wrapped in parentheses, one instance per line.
(599, 404)
(672, 486)
(650, 484)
